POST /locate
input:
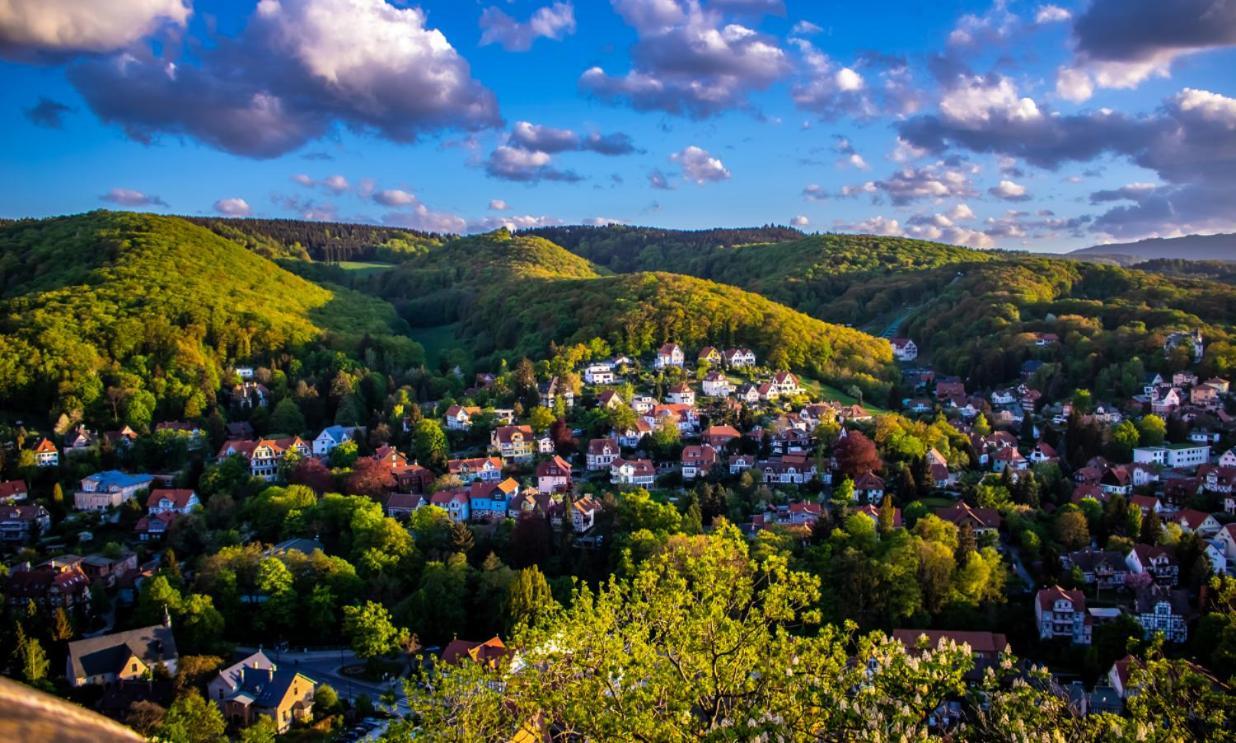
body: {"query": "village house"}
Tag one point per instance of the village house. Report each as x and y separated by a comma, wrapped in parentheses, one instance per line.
(46, 454)
(553, 475)
(601, 454)
(455, 503)
(873, 511)
(748, 393)
(981, 520)
(904, 349)
(584, 513)
(12, 491)
(718, 436)
(697, 461)
(1062, 614)
(633, 436)
(869, 488)
(264, 455)
(1156, 560)
(643, 404)
(684, 416)
(153, 527)
(937, 469)
(1104, 569)
(80, 440)
(532, 502)
(54, 584)
(1192, 520)
(599, 372)
(485, 469)
(487, 653)
(738, 358)
(107, 571)
(20, 524)
(459, 417)
(513, 443)
(122, 656)
(109, 489)
(709, 355)
(786, 384)
(1176, 456)
(489, 501)
(669, 355)
(1147, 504)
(986, 648)
(609, 400)
(1162, 609)
(179, 501)
(256, 687)
(632, 472)
(680, 394)
(740, 463)
(331, 437)
(554, 390)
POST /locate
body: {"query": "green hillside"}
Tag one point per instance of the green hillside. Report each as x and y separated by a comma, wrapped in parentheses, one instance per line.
(513, 296)
(973, 312)
(150, 304)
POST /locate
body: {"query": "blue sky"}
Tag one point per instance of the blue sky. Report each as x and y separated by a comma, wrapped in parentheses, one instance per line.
(1045, 126)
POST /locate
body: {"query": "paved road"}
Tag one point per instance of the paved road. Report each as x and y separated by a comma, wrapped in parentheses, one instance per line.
(1019, 568)
(325, 667)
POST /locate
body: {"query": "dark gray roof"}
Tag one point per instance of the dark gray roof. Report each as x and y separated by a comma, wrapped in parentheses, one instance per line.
(98, 656)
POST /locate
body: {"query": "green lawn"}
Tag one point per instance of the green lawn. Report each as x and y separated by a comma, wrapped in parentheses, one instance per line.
(828, 392)
(365, 268)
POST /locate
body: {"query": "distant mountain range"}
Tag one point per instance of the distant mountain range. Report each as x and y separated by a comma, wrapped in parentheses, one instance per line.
(1190, 247)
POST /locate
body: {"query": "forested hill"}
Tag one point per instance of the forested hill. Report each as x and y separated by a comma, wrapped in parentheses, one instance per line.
(322, 241)
(624, 249)
(150, 310)
(514, 295)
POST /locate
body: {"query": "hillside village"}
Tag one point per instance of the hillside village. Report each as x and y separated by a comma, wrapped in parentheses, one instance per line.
(1102, 521)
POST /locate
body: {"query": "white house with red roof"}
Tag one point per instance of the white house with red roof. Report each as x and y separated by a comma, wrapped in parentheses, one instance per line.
(485, 469)
(632, 472)
(669, 355)
(697, 461)
(175, 500)
(1060, 613)
(459, 417)
(553, 475)
(455, 502)
(738, 358)
(904, 349)
(716, 384)
(680, 394)
(1192, 520)
(601, 454)
(1155, 560)
(46, 454)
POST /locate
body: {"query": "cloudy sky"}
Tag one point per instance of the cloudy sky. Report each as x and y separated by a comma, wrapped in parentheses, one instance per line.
(1046, 126)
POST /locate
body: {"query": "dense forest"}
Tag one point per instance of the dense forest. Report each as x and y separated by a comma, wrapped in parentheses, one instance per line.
(625, 248)
(974, 312)
(144, 312)
(517, 294)
(322, 241)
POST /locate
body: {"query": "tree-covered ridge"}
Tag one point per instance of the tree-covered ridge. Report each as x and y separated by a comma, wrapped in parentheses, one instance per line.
(624, 248)
(637, 312)
(444, 285)
(981, 325)
(322, 241)
(514, 295)
(151, 305)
